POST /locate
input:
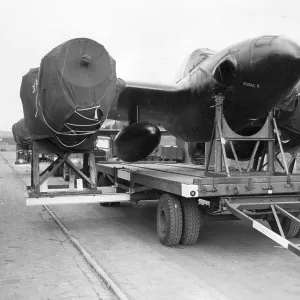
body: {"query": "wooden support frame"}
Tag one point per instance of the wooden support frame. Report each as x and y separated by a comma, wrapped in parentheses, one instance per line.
(89, 174)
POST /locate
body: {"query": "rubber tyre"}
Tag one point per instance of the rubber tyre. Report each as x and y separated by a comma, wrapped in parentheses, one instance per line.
(192, 221)
(102, 181)
(290, 228)
(169, 220)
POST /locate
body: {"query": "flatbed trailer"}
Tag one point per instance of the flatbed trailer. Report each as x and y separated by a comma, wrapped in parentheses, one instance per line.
(247, 197)
(189, 194)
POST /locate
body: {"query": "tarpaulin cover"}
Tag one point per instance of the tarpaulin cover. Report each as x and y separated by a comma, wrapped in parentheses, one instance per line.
(37, 128)
(76, 90)
(21, 134)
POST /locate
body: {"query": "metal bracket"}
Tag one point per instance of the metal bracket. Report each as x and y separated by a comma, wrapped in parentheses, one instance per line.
(201, 187)
(270, 187)
(289, 183)
(214, 189)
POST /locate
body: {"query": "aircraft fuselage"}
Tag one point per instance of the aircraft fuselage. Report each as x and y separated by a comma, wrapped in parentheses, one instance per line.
(254, 76)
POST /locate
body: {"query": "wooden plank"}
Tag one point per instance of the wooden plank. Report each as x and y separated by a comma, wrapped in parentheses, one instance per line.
(66, 191)
(70, 192)
(79, 184)
(50, 166)
(85, 163)
(58, 186)
(47, 175)
(71, 182)
(103, 189)
(172, 170)
(101, 198)
(93, 170)
(35, 166)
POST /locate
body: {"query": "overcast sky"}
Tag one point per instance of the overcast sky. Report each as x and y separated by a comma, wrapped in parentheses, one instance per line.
(149, 39)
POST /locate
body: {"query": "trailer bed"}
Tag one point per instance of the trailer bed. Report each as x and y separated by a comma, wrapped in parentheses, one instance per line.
(193, 181)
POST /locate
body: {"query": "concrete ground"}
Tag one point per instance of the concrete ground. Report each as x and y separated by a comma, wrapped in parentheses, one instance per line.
(230, 260)
(36, 259)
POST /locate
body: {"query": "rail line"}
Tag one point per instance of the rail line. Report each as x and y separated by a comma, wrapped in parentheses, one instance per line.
(82, 251)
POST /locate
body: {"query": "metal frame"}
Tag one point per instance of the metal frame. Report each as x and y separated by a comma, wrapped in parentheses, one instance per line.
(235, 206)
(222, 133)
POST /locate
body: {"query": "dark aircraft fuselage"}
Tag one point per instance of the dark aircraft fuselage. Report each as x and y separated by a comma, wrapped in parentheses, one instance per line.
(254, 76)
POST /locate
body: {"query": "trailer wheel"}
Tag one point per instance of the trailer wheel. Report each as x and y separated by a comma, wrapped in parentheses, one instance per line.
(169, 220)
(290, 228)
(192, 221)
(102, 181)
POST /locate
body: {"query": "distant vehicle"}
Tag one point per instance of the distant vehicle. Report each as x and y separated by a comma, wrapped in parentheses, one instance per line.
(103, 148)
(23, 155)
(167, 153)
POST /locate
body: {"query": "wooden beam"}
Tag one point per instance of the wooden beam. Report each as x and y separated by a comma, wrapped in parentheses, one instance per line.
(35, 167)
(58, 200)
(78, 172)
(50, 166)
(47, 175)
(93, 170)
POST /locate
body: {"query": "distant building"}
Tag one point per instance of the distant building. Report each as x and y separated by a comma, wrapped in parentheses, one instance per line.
(6, 138)
(7, 141)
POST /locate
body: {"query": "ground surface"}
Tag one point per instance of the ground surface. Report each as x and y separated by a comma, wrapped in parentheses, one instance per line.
(230, 260)
(36, 259)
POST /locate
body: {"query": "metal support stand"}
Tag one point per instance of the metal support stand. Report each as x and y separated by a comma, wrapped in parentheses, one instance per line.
(222, 133)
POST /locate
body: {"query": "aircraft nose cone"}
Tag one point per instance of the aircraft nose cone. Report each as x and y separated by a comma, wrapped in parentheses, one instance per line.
(289, 51)
(277, 55)
(268, 77)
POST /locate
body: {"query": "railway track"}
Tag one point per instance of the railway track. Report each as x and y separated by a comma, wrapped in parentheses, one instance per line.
(98, 271)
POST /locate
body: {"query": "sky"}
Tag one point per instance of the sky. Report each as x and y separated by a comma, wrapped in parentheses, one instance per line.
(149, 39)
